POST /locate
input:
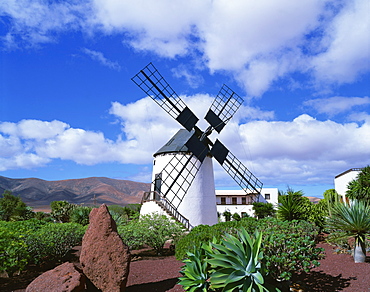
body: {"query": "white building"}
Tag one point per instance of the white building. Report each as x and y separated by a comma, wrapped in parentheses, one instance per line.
(235, 201)
(342, 180)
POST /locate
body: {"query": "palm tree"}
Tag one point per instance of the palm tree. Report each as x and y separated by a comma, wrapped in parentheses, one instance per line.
(291, 205)
(359, 189)
(354, 221)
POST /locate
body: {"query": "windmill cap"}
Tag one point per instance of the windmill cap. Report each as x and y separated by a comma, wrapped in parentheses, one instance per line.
(176, 143)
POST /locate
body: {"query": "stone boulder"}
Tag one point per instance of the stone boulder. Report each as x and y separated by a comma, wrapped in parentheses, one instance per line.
(105, 259)
(63, 278)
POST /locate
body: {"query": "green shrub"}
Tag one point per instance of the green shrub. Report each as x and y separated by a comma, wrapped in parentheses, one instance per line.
(204, 233)
(153, 230)
(61, 210)
(35, 241)
(288, 246)
(129, 212)
(53, 241)
(262, 210)
(14, 255)
(80, 215)
(12, 208)
(120, 219)
(117, 209)
(13, 251)
(133, 211)
(131, 235)
(236, 217)
(227, 215)
(338, 240)
(235, 263)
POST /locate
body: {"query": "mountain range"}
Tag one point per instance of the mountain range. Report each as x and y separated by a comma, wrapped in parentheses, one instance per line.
(38, 193)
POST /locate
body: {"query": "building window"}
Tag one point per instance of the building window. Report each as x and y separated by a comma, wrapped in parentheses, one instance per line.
(244, 200)
(267, 196)
(223, 201)
(234, 201)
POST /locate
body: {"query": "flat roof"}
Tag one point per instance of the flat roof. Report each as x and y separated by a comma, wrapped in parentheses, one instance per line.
(348, 171)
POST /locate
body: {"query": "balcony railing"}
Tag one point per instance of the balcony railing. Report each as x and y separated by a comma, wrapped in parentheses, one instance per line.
(166, 206)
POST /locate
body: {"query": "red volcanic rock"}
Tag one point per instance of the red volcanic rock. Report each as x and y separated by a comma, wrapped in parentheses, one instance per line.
(105, 259)
(64, 278)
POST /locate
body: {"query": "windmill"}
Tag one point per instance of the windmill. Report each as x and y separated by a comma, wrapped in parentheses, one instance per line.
(183, 178)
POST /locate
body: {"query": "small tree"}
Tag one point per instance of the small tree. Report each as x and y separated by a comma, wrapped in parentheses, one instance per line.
(227, 215)
(13, 208)
(359, 189)
(236, 217)
(352, 221)
(61, 210)
(262, 210)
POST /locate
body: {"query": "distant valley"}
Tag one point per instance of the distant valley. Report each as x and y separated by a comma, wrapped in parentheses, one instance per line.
(38, 193)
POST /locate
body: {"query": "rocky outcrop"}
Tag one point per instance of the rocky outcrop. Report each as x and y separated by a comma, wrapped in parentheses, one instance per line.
(63, 278)
(105, 259)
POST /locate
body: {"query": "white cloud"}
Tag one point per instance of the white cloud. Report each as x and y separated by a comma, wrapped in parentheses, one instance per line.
(346, 45)
(160, 26)
(302, 150)
(258, 42)
(33, 129)
(98, 56)
(337, 104)
(36, 21)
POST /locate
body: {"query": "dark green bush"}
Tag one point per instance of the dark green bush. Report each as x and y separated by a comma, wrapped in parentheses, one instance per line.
(262, 210)
(80, 215)
(117, 209)
(204, 233)
(236, 217)
(288, 247)
(35, 241)
(12, 208)
(53, 241)
(153, 230)
(14, 255)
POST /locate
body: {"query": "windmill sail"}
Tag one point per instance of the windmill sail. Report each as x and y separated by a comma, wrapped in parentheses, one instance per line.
(238, 171)
(226, 103)
(155, 86)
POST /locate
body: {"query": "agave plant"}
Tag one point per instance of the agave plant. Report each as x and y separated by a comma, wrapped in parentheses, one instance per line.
(232, 264)
(354, 222)
(195, 272)
(237, 263)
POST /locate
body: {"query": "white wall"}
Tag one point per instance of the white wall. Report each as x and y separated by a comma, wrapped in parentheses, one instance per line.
(342, 180)
(198, 205)
(239, 207)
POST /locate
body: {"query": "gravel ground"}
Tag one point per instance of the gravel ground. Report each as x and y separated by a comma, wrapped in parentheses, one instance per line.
(149, 273)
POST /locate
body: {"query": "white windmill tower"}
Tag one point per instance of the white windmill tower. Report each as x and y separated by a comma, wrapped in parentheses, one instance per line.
(183, 179)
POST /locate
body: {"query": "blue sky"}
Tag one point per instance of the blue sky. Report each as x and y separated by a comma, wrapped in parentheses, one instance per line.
(68, 107)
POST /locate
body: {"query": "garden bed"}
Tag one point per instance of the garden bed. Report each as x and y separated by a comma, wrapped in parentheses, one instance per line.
(149, 272)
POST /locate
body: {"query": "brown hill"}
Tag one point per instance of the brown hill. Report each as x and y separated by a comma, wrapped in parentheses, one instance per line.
(38, 193)
(314, 200)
